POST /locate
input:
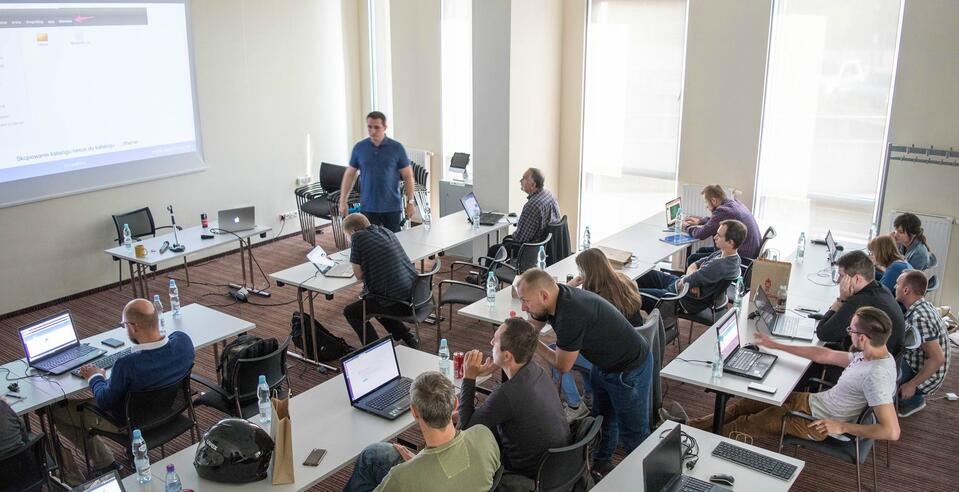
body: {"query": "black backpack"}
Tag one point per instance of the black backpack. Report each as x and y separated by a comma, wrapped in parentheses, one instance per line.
(243, 347)
(329, 346)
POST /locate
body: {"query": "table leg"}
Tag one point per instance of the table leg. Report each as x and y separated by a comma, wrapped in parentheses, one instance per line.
(719, 411)
(303, 327)
(133, 279)
(249, 258)
(243, 263)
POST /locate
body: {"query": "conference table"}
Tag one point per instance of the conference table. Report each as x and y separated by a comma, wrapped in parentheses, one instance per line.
(190, 238)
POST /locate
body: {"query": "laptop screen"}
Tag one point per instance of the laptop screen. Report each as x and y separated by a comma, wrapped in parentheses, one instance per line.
(727, 334)
(672, 210)
(664, 462)
(470, 204)
(48, 335)
(369, 368)
(319, 258)
(766, 311)
(831, 244)
(106, 483)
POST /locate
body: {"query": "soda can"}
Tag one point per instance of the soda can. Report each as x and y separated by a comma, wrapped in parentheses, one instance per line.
(204, 221)
(458, 364)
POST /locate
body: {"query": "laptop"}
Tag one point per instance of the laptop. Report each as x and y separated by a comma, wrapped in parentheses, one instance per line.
(832, 247)
(107, 483)
(786, 325)
(328, 266)
(51, 345)
(373, 380)
(738, 360)
(236, 219)
(663, 468)
(672, 213)
(470, 204)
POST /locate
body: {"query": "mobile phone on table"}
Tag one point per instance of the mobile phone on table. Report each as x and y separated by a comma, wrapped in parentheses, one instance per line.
(315, 457)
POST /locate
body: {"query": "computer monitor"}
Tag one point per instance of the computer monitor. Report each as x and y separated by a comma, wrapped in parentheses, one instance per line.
(672, 211)
(48, 336)
(369, 368)
(727, 334)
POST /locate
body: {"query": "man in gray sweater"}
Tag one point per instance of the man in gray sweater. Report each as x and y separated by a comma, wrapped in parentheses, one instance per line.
(704, 277)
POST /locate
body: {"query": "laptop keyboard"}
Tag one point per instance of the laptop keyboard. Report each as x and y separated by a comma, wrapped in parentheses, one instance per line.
(490, 217)
(104, 362)
(743, 360)
(788, 326)
(63, 357)
(759, 462)
(390, 397)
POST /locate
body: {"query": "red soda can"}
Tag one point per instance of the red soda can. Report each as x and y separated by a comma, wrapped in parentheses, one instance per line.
(458, 364)
(512, 313)
(204, 221)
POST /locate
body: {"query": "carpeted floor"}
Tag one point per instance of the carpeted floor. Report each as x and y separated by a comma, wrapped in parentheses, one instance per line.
(921, 460)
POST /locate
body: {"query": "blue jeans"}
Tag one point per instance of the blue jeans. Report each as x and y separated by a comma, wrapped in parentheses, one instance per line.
(388, 220)
(622, 398)
(371, 467)
(656, 283)
(568, 382)
(906, 374)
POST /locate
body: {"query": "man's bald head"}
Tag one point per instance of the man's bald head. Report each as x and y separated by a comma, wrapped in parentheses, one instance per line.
(143, 322)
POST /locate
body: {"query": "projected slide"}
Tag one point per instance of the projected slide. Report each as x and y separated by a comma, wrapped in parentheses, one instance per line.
(88, 85)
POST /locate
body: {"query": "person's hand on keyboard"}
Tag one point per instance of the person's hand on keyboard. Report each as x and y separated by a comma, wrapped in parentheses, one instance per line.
(88, 370)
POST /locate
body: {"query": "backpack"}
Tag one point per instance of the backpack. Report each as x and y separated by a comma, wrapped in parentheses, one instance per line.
(329, 346)
(243, 347)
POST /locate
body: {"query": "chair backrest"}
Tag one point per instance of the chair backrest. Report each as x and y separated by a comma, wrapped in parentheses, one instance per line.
(562, 468)
(526, 256)
(867, 417)
(421, 177)
(720, 300)
(911, 340)
(559, 245)
(152, 408)
(331, 176)
(423, 286)
(25, 468)
(246, 373)
(140, 222)
(652, 331)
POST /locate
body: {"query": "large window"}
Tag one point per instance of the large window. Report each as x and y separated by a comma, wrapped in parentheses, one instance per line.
(381, 65)
(635, 51)
(828, 87)
(456, 33)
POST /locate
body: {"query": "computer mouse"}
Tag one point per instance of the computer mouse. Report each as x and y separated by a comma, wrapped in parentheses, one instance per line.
(722, 479)
(751, 346)
(512, 214)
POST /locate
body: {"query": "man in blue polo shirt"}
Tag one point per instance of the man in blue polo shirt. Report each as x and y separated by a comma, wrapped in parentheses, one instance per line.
(382, 162)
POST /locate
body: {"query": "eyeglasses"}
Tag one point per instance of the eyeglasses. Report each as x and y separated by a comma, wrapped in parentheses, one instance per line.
(125, 324)
(850, 331)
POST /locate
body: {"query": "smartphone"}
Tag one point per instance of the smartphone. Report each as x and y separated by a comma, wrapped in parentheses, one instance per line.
(315, 457)
(112, 342)
(762, 387)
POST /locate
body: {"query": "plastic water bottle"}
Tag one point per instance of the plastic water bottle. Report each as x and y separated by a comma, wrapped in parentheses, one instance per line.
(172, 479)
(541, 258)
(738, 300)
(446, 367)
(586, 239)
(476, 216)
(491, 285)
(718, 364)
(263, 400)
(127, 237)
(678, 225)
(158, 306)
(427, 215)
(801, 248)
(141, 460)
(174, 298)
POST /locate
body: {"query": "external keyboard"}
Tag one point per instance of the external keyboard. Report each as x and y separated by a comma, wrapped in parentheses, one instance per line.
(691, 484)
(104, 362)
(392, 396)
(744, 360)
(75, 353)
(751, 459)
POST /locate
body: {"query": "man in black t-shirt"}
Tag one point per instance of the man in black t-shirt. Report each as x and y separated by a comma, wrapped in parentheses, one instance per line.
(381, 263)
(622, 368)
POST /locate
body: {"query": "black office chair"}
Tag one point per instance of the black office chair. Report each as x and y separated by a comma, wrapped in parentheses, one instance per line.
(158, 413)
(559, 246)
(668, 306)
(242, 402)
(524, 260)
(26, 468)
(567, 468)
(420, 303)
(313, 201)
(466, 293)
(708, 316)
(930, 273)
(652, 331)
(141, 225)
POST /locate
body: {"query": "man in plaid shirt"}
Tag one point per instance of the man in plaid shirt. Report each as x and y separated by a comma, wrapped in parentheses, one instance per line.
(540, 210)
(924, 368)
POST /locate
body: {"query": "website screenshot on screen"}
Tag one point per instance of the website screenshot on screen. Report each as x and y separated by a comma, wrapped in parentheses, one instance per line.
(93, 84)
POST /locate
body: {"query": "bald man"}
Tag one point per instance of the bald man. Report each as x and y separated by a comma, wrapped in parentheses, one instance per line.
(154, 361)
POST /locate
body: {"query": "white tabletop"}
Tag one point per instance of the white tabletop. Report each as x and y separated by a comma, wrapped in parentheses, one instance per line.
(204, 325)
(449, 231)
(322, 418)
(189, 237)
(629, 474)
(810, 282)
(643, 240)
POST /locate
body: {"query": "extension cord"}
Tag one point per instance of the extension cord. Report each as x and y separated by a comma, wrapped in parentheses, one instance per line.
(240, 294)
(261, 293)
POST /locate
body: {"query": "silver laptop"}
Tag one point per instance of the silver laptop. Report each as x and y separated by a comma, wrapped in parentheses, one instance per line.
(373, 380)
(470, 204)
(236, 219)
(786, 325)
(51, 345)
(107, 483)
(672, 213)
(328, 266)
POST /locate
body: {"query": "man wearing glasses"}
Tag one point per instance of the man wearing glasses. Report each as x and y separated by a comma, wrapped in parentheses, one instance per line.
(154, 361)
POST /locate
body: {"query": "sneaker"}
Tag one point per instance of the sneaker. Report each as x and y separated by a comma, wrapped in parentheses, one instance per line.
(411, 340)
(907, 410)
(600, 469)
(675, 412)
(574, 413)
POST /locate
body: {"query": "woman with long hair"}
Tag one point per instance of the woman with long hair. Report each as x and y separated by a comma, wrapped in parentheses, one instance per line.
(888, 260)
(908, 233)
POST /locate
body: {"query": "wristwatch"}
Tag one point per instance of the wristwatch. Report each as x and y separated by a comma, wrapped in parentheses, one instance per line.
(411, 201)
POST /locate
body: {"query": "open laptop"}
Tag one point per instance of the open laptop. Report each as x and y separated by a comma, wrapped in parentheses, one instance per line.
(236, 219)
(672, 213)
(328, 266)
(738, 360)
(51, 345)
(663, 468)
(373, 380)
(470, 204)
(107, 483)
(786, 324)
(832, 247)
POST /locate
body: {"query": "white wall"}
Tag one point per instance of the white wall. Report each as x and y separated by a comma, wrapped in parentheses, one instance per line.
(571, 111)
(267, 74)
(491, 102)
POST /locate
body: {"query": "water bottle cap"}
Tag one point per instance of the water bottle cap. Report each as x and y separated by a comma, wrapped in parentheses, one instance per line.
(172, 283)
(443, 343)
(170, 468)
(137, 434)
(262, 378)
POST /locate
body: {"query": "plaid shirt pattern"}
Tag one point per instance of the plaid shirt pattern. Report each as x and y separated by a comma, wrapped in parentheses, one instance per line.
(924, 317)
(540, 210)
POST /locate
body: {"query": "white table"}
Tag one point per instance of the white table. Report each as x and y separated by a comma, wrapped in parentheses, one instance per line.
(451, 231)
(629, 474)
(190, 238)
(322, 418)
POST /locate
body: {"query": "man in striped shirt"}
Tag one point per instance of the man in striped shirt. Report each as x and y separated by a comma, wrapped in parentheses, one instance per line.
(923, 368)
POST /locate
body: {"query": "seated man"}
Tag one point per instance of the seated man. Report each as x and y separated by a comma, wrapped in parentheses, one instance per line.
(704, 277)
(925, 368)
(155, 361)
(858, 288)
(463, 461)
(12, 432)
(540, 210)
(381, 263)
(524, 412)
(722, 208)
(869, 379)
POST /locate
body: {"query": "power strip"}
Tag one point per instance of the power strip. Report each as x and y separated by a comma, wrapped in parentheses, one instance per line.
(261, 293)
(952, 396)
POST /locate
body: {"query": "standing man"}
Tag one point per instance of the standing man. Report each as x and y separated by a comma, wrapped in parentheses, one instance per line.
(541, 210)
(925, 368)
(382, 162)
(722, 208)
(622, 366)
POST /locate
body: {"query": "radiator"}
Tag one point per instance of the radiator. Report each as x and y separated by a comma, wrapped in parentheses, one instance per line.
(938, 230)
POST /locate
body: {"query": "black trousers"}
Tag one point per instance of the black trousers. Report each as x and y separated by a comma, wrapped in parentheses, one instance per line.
(354, 315)
(388, 220)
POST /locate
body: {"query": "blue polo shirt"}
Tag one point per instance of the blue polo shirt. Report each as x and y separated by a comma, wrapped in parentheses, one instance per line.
(379, 168)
